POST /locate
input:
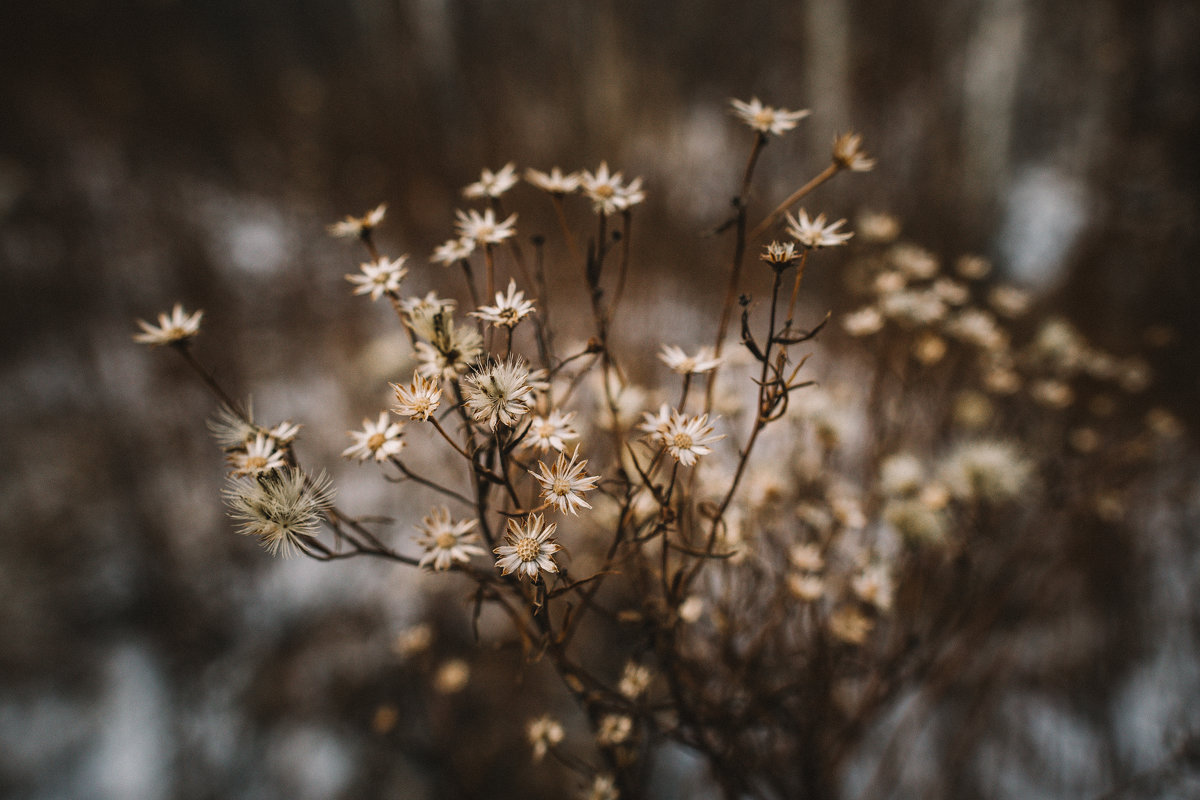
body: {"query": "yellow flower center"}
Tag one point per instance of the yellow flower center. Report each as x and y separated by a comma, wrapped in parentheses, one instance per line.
(255, 462)
(376, 441)
(445, 540)
(527, 549)
(682, 441)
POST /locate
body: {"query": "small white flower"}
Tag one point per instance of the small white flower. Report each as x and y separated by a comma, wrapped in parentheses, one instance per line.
(377, 440)
(990, 470)
(613, 729)
(779, 255)
(509, 309)
(681, 362)
(604, 787)
(554, 182)
(528, 548)
(498, 392)
(807, 557)
(493, 184)
(635, 680)
(453, 251)
(279, 507)
(483, 228)
(848, 153)
(863, 322)
(174, 328)
(563, 485)
(551, 432)
(544, 732)
(814, 233)
(258, 457)
(765, 118)
(446, 541)
(608, 192)
(689, 437)
(359, 226)
(419, 399)
(380, 277)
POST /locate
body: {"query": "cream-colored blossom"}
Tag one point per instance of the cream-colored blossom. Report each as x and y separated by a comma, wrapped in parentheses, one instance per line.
(493, 184)
(564, 484)
(419, 399)
(679, 361)
(553, 182)
(498, 392)
(528, 548)
(814, 233)
(362, 226)
(848, 153)
(281, 508)
(445, 541)
(377, 440)
(767, 119)
(174, 328)
(380, 277)
(509, 310)
(483, 228)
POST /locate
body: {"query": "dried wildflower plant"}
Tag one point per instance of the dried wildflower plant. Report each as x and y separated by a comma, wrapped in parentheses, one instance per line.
(772, 539)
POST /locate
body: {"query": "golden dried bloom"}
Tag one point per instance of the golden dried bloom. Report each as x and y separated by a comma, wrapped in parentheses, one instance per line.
(779, 255)
(806, 587)
(814, 233)
(848, 153)
(543, 732)
(419, 399)
(929, 348)
(613, 729)
(863, 322)
(973, 267)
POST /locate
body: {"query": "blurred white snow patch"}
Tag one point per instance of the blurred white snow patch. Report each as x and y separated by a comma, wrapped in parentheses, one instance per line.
(134, 746)
(310, 763)
(1149, 718)
(244, 234)
(45, 729)
(1041, 749)
(917, 773)
(1044, 215)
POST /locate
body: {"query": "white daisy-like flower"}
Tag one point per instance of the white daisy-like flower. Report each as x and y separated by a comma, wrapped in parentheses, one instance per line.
(509, 309)
(814, 233)
(564, 484)
(779, 255)
(178, 326)
(551, 432)
(451, 350)
(608, 192)
(380, 277)
(493, 184)
(259, 457)
(688, 437)
(989, 470)
(657, 424)
(425, 316)
(679, 361)
(863, 322)
(604, 787)
(284, 433)
(848, 153)
(359, 226)
(544, 732)
(613, 729)
(528, 548)
(279, 507)
(453, 251)
(498, 392)
(767, 119)
(446, 541)
(233, 428)
(635, 679)
(554, 182)
(377, 440)
(483, 228)
(419, 399)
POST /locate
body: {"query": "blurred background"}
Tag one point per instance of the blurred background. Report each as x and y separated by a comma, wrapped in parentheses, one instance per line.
(165, 150)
